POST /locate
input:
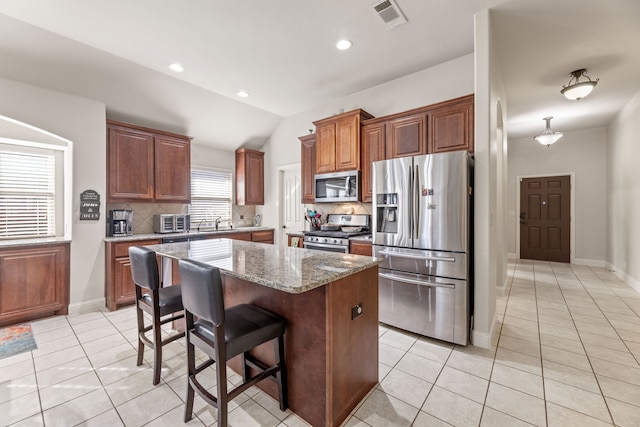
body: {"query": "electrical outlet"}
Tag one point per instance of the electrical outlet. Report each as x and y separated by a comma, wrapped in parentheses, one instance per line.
(356, 311)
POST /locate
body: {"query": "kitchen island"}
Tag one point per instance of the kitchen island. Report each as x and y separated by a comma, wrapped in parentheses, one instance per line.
(330, 302)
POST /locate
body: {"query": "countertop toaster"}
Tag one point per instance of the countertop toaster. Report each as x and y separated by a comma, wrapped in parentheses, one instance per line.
(171, 223)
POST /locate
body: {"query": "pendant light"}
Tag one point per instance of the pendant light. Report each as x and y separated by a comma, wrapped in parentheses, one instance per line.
(578, 89)
(548, 137)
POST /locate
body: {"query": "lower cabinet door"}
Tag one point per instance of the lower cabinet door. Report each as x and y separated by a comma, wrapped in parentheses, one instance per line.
(34, 282)
(124, 288)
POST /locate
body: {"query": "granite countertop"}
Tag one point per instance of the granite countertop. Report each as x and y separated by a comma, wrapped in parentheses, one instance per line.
(32, 242)
(363, 238)
(289, 269)
(220, 232)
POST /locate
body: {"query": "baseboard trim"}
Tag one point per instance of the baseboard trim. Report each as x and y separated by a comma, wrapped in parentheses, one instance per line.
(622, 275)
(484, 339)
(511, 255)
(504, 289)
(590, 262)
(87, 306)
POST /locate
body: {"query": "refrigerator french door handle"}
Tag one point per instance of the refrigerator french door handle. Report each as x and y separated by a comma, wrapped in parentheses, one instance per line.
(420, 257)
(411, 202)
(416, 282)
(416, 202)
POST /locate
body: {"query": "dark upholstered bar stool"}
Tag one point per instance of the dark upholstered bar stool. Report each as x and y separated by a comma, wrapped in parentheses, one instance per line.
(157, 301)
(223, 334)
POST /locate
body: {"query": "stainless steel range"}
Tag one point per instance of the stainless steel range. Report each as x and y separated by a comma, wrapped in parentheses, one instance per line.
(336, 233)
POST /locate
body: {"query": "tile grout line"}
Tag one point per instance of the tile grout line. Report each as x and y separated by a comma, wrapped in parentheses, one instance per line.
(580, 337)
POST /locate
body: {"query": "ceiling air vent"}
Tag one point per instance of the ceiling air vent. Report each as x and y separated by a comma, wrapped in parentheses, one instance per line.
(390, 13)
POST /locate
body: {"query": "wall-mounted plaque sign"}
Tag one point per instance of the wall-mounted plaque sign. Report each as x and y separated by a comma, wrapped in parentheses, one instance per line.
(89, 205)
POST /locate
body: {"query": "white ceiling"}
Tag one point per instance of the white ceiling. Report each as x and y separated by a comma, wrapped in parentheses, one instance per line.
(283, 53)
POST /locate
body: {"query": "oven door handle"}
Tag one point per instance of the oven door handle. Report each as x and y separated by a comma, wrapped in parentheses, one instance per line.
(322, 245)
(418, 257)
(416, 282)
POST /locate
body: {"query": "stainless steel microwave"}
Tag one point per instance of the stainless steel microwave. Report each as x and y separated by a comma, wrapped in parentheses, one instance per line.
(337, 187)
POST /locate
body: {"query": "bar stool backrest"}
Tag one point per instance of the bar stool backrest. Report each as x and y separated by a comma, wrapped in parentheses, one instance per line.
(144, 267)
(202, 291)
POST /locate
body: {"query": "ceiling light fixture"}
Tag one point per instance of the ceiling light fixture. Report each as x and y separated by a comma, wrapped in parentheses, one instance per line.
(577, 89)
(548, 137)
(176, 67)
(344, 44)
(243, 93)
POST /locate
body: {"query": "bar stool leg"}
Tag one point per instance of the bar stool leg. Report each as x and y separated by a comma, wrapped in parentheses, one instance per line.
(191, 370)
(140, 331)
(281, 375)
(157, 350)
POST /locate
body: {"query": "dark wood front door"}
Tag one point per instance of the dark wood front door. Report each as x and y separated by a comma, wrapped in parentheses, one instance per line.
(545, 218)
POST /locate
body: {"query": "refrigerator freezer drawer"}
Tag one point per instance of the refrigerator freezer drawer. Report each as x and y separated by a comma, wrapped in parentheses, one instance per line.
(430, 306)
(430, 263)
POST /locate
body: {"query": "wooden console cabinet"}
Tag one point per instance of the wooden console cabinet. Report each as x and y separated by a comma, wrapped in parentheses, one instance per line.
(249, 177)
(34, 282)
(147, 165)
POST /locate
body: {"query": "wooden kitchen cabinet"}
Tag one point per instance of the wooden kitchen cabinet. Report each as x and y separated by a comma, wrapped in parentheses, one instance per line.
(406, 135)
(300, 240)
(119, 288)
(147, 165)
(172, 170)
(308, 167)
(249, 177)
(34, 282)
(338, 142)
(360, 247)
(263, 236)
(373, 150)
(452, 126)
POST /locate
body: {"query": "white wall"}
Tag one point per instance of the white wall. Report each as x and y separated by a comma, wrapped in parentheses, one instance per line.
(490, 176)
(623, 193)
(81, 121)
(583, 153)
(445, 81)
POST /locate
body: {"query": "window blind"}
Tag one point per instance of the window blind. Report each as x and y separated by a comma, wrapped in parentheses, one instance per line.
(27, 194)
(210, 196)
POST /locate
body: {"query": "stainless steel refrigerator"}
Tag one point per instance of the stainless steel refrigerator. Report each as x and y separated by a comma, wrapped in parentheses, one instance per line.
(422, 231)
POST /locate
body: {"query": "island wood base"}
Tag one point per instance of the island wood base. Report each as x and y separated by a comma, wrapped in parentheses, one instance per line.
(332, 360)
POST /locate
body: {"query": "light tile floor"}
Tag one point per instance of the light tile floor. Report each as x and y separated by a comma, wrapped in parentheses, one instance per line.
(565, 353)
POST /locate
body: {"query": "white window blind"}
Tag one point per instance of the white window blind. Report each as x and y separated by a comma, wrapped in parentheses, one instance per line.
(210, 196)
(27, 194)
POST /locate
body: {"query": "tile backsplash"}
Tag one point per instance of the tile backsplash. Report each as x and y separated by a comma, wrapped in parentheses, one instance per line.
(143, 214)
(337, 208)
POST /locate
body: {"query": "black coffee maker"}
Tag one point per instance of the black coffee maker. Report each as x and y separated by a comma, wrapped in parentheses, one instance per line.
(120, 222)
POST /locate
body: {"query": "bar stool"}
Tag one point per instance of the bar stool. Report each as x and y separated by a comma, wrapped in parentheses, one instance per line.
(223, 334)
(156, 301)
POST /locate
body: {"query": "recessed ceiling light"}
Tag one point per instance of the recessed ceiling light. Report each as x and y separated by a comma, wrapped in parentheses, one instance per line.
(176, 67)
(344, 44)
(243, 93)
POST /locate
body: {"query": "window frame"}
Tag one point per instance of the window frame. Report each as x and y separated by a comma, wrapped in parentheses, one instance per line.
(195, 217)
(63, 178)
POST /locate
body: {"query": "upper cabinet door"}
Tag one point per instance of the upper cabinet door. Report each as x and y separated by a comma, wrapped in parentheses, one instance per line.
(172, 155)
(452, 126)
(373, 150)
(249, 177)
(129, 164)
(326, 148)
(308, 167)
(407, 136)
(348, 144)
